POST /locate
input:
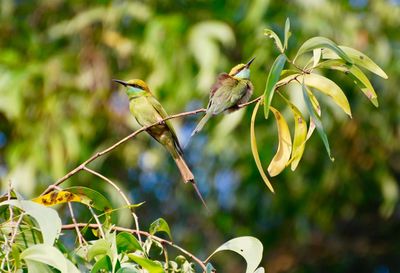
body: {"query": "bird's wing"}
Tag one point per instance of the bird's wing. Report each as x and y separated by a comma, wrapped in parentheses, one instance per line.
(222, 79)
(163, 114)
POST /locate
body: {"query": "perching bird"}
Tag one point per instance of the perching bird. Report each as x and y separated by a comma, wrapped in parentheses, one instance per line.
(228, 92)
(147, 111)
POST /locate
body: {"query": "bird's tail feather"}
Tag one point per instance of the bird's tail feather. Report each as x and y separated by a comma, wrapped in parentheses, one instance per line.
(188, 176)
(201, 124)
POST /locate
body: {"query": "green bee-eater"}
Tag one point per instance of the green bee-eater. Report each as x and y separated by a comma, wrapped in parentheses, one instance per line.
(147, 110)
(228, 92)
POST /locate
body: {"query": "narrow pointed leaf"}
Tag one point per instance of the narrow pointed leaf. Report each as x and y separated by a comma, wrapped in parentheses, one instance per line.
(273, 78)
(250, 248)
(317, 110)
(160, 225)
(322, 42)
(48, 255)
(282, 156)
(356, 74)
(254, 150)
(91, 198)
(327, 87)
(149, 265)
(287, 33)
(271, 34)
(300, 135)
(316, 120)
(48, 220)
(358, 58)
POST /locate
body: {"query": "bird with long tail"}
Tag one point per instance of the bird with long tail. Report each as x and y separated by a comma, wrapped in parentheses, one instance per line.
(147, 111)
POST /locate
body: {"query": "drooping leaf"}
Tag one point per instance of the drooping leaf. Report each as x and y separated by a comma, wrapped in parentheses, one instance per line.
(57, 197)
(273, 78)
(327, 87)
(149, 265)
(248, 247)
(300, 135)
(357, 75)
(282, 156)
(126, 242)
(254, 150)
(322, 42)
(317, 109)
(36, 267)
(358, 58)
(287, 33)
(48, 255)
(316, 120)
(271, 34)
(160, 225)
(102, 264)
(48, 220)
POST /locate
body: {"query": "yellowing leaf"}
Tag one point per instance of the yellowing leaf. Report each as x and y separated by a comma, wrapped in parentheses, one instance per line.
(300, 134)
(282, 155)
(59, 197)
(358, 58)
(254, 150)
(327, 87)
(359, 77)
(271, 34)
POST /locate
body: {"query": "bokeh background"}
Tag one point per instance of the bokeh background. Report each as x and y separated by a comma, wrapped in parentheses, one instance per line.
(58, 106)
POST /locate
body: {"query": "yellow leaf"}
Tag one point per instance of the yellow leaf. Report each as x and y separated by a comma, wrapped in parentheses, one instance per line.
(282, 155)
(58, 197)
(254, 149)
(327, 87)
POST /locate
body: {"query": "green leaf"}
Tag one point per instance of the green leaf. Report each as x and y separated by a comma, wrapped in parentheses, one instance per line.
(358, 58)
(254, 150)
(160, 225)
(48, 255)
(102, 264)
(282, 156)
(271, 34)
(316, 56)
(149, 265)
(322, 42)
(91, 198)
(356, 74)
(99, 248)
(48, 220)
(273, 78)
(248, 247)
(316, 120)
(128, 270)
(300, 134)
(327, 87)
(287, 33)
(126, 242)
(36, 267)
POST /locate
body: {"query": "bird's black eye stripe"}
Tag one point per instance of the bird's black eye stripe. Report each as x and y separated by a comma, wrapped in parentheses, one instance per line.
(136, 85)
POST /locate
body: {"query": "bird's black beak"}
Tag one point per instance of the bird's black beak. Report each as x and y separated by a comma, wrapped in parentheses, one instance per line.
(120, 82)
(249, 62)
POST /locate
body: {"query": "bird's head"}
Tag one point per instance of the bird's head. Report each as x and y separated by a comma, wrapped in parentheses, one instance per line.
(241, 71)
(134, 86)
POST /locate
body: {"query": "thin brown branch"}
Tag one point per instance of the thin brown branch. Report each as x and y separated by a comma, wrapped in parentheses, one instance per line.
(120, 192)
(144, 233)
(78, 231)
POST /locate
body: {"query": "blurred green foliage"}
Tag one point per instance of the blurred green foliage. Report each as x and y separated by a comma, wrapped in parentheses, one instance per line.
(58, 106)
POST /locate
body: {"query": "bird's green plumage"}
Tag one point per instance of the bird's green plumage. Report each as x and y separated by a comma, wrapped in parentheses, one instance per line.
(147, 111)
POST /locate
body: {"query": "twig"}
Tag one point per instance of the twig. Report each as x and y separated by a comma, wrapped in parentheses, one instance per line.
(121, 193)
(144, 233)
(99, 226)
(78, 231)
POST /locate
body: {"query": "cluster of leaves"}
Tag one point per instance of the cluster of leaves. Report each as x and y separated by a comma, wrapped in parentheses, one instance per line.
(325, 55)
(32, 241)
